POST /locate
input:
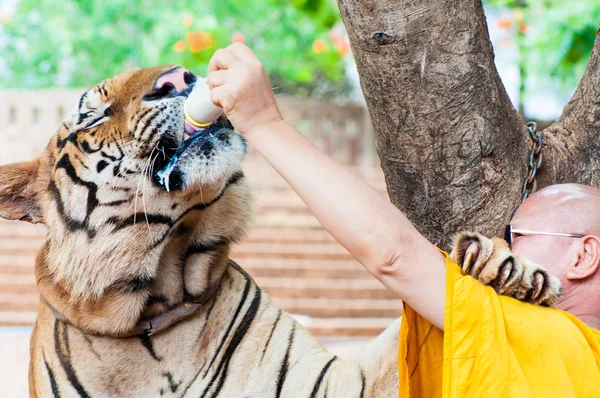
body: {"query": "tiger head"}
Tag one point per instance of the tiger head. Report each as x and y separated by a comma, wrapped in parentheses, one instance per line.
(129, 191)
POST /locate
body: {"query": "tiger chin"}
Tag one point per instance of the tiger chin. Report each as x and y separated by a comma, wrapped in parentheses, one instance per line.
(138, 295)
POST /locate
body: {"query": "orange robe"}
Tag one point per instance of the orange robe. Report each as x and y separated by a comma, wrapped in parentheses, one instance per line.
(496, 346)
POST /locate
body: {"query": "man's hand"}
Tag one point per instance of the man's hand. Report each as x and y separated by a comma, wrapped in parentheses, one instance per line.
(239, 84)
(375, 232)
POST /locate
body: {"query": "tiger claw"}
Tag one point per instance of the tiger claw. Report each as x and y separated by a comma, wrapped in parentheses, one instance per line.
(542, 288)
(470, 257)
(505, 273)
(491, 262)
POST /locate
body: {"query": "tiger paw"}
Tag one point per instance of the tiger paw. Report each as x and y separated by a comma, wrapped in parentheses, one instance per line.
(492, 263)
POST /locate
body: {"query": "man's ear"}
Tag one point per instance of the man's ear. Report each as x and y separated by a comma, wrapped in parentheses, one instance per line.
(19, 194)
(589, 259)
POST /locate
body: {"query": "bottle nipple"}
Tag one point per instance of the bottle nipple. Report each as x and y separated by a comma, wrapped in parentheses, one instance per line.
(198, 109)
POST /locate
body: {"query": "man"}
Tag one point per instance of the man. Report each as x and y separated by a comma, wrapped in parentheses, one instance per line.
(495, 346)
(492, 345)
(573, 257)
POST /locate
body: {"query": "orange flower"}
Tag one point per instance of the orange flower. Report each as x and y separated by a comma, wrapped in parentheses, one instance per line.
(504, 22)
(199, 41)
(334, 35)
(523, 28)
(187, 21)
(340, 43)
(319, 46)
(238, 37)
(344, 47)
(180, 46)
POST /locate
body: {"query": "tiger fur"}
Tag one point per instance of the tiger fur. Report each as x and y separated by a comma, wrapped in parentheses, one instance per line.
(124, 245)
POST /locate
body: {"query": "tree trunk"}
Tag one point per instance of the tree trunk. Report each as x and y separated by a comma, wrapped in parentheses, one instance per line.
(451, 144)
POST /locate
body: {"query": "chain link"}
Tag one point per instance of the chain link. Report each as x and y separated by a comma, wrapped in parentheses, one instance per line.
(534, 161)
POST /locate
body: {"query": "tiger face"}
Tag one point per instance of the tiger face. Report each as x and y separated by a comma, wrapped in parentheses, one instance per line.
(126, 187)
(131, 129)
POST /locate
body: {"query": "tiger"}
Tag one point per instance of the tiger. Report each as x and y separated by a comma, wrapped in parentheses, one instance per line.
(138, 294)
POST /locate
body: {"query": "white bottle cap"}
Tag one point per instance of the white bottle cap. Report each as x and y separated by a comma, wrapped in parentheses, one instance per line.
(198, 108)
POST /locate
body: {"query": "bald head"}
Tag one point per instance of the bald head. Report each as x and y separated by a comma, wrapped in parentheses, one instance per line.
(566, 208)
(570, 209)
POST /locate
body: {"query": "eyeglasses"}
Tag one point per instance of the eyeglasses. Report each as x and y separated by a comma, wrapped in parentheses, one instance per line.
(509, 234)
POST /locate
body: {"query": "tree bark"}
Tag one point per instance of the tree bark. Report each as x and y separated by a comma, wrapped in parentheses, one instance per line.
(452, 146)
(572, 144)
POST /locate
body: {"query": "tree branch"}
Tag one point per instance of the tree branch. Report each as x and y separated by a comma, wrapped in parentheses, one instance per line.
(452, 146)
(572, 149)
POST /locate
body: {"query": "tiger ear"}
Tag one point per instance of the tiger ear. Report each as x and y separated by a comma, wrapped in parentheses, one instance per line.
(18, 192)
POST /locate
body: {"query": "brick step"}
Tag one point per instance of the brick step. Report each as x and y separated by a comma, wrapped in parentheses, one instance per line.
(290, 247)
(275, 218)
(20, 229)
(242, 256)
(279, 199)
(321, 327)
(327, 250)
(325, 288)
(19, 251)
(347, 327)
(299, 209)
(19, 244)
(18, 284)
(340, 308)
(19, 302)
(331, 246)
(275, 287)
(257, 266)
(26, 261)
(16, 270)
(256, 235)
(262, 190)
(289, 235)
(9, 234)
(267, 179)
(303, 268)
(278, 219)
(25, 318)
(318, 308)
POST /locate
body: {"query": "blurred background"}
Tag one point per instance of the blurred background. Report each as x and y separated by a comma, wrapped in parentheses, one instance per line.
(51, 51)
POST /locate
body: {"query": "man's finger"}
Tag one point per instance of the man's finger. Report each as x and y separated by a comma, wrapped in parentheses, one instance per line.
(217, 78)
(242, 51)
(221, 59)
(220, 97)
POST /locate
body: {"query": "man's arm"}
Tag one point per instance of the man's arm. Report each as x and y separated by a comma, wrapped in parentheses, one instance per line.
(380, 236)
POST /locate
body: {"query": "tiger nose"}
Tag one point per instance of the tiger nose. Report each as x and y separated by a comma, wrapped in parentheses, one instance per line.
(174, 82)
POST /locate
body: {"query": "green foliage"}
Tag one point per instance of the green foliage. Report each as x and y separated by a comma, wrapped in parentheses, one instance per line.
(80, 42)
(556, 37)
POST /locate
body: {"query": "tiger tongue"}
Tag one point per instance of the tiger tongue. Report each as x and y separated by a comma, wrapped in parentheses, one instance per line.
(191, 130)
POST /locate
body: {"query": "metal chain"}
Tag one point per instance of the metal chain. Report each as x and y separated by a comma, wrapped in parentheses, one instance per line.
(534, 161)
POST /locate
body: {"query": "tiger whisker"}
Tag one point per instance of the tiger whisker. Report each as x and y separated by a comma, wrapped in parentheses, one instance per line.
(146, 162)
(150, 164)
